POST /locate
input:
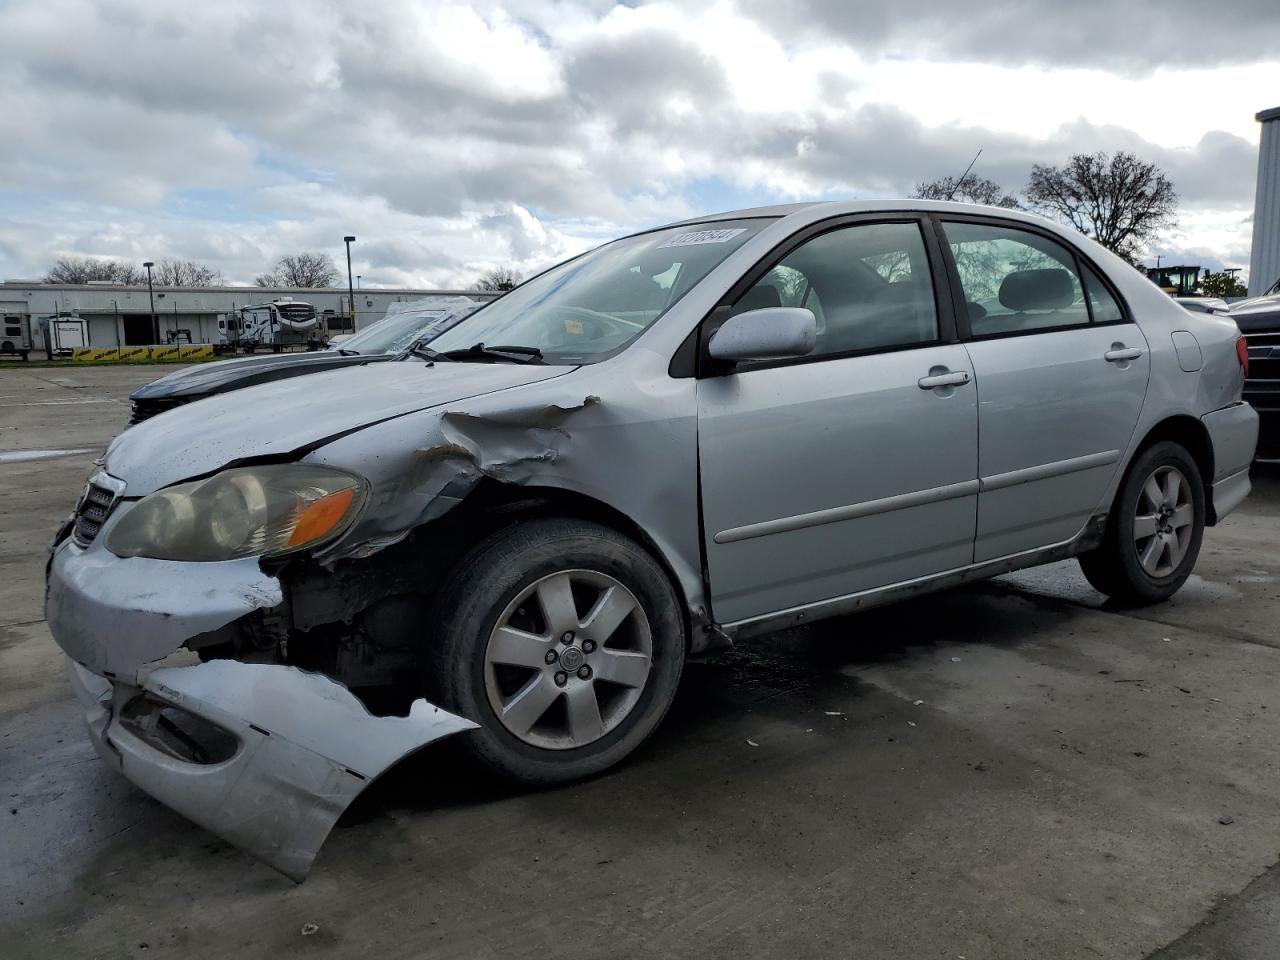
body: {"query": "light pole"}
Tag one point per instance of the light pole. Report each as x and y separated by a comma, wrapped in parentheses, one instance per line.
(351, 290)
(151, 295)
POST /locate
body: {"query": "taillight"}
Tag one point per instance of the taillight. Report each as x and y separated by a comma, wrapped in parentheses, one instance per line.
(1242, 354)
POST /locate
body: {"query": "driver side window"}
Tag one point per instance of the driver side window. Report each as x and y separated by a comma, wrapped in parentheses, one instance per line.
(868, 285)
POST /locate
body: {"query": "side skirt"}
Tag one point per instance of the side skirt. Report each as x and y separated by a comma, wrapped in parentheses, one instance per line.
(1088, 538)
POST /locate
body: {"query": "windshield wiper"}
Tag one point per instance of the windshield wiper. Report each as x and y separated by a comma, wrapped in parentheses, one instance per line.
(503, 352)
(426, 353)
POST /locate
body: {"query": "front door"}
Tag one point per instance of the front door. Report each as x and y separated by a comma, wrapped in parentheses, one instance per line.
(1061, 373)
(856, 466)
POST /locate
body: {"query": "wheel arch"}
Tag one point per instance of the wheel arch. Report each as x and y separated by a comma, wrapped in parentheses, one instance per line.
(1190, 433)
(494, 504)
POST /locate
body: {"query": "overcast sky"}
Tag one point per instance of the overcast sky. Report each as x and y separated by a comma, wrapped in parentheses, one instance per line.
(451, 136)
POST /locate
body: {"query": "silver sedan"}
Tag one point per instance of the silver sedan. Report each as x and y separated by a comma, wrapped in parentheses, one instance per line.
(686, 436)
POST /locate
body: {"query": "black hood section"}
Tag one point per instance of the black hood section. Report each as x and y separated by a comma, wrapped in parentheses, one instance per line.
(219, 376)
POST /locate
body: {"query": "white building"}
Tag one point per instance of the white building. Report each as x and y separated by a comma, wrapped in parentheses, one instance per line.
(120, 315)
(1264, 261)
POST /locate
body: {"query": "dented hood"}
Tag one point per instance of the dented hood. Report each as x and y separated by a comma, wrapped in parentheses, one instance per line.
(281, 418)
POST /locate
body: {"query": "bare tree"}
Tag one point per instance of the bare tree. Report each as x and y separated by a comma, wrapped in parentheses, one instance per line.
(1120, 201)
(185, 273)
(498, 278)
(304, 269)
(84, 269)
(967, 189)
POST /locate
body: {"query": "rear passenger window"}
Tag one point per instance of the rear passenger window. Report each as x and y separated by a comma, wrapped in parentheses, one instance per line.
(1015, 280)
(868, 285)
(1105, 308)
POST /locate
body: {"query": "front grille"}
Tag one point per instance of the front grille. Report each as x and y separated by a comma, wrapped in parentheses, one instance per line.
(96, 503)
(145, 408)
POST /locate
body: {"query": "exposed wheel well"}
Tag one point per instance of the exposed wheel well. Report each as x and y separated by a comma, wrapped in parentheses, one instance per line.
(1191, 434)
(492, 505)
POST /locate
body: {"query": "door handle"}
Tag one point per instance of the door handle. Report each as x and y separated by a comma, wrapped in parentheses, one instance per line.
(959, 378)
(1122, 354)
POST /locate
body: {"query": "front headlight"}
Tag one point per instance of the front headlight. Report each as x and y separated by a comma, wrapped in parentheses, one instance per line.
(244, 512)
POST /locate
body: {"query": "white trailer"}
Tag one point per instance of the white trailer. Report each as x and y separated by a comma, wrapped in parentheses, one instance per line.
(277, 324)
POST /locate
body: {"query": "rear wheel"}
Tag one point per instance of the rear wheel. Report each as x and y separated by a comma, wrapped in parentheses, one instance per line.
(1154, 531)
(564, 641)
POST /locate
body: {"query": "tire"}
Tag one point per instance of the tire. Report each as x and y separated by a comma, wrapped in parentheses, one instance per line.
(1131, 567)
(501, 678)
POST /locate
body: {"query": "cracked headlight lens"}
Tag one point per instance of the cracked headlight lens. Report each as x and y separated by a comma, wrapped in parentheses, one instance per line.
(244, 512)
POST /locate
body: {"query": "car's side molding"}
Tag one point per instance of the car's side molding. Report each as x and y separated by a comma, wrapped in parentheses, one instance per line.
(917, 498)
(1044, 471)
(1088, 538)
(853, 511)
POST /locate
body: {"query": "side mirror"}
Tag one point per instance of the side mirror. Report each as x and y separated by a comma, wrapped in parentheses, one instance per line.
(765, 334)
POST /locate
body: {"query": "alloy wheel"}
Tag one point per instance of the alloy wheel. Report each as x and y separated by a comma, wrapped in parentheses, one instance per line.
(1164, 521)
(568, 659)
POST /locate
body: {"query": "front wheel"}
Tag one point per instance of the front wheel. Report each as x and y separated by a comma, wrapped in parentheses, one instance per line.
(1154, 531)
(564, 641)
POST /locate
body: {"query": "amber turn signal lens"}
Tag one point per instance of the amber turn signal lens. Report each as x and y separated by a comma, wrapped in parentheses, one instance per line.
(321, 517)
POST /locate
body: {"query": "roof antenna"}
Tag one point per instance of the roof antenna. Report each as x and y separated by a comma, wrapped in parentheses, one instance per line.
(956, 185)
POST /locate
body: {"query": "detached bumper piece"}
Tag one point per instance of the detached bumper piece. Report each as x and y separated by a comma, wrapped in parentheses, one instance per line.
(265, 756)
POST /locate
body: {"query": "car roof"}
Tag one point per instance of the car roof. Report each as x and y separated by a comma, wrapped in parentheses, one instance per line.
(819, 208)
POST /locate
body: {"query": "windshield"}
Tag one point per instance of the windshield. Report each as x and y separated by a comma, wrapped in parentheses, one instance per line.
(590, 307)
(399, 331)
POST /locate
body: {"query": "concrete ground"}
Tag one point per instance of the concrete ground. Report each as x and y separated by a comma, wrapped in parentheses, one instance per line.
(1011, 770)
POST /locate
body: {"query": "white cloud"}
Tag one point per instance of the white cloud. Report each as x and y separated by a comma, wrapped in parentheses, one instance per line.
(453, 135)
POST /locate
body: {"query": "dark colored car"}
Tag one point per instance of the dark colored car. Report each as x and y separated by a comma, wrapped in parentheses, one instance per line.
(1259, 320)
(399, 330)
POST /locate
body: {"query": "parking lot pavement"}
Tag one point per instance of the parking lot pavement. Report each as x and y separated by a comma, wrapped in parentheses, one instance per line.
(1010, 770)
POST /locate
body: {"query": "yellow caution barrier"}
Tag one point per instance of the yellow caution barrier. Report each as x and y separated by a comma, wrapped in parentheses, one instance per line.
(91, 354)
(168, 352)
(153, 353)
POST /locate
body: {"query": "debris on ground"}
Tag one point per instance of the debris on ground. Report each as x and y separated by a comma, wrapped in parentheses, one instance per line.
(309, 928)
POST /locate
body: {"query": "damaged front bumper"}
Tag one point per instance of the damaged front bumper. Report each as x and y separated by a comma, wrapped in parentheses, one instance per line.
(266, 756)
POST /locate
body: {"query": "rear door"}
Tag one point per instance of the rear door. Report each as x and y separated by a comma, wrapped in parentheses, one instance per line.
(1061, 373)
(856, 466)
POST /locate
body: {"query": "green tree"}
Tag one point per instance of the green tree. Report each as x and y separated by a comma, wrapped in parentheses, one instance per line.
(1221, 284)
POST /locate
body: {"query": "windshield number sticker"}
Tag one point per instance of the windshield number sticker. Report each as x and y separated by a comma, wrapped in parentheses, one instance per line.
(573, 327)
(702, 236)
